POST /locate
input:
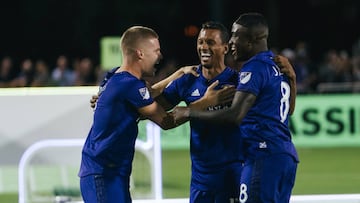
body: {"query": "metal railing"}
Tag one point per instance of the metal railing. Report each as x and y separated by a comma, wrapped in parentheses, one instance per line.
(151, 148)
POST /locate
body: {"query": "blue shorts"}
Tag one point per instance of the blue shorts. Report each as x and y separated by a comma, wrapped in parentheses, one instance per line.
(104, 189)
(197, 196)
(216, 187)
(269, 179)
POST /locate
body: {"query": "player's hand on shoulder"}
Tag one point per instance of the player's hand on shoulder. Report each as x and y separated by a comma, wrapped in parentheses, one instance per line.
(190, 70)
(93, 100)
(285, 66)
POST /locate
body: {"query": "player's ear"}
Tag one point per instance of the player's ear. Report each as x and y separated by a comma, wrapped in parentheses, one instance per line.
(139, 53)
(226, 49)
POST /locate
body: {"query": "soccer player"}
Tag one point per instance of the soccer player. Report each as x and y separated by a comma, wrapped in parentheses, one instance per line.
(108, 151)
(260, 108)
(215, 149)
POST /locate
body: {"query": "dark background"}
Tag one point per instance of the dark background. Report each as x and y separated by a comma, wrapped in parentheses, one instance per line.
(47, 28)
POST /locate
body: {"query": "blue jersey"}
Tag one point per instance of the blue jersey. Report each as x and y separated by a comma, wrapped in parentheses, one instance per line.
(212, 146)
(110, 145)
(265, 130)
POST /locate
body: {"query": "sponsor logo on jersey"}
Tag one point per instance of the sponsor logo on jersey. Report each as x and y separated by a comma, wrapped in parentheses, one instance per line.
(218, 107)
(245, 77)
(144, 92)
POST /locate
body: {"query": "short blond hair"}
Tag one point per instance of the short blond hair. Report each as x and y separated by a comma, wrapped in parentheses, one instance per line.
(133, 36)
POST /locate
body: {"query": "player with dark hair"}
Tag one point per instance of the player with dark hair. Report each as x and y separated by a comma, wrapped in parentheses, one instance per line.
(261, 107)
(215, 149)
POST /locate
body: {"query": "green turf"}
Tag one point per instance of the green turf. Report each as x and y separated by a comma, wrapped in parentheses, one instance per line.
(8, 198)
(328, 171)
(321, 171)
(176, 173)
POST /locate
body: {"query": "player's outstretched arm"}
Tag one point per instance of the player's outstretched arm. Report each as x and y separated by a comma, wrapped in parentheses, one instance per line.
(158, 87)
(211, 97)
(241, 104)
(286, 68)
(155, 89)
(158, 115)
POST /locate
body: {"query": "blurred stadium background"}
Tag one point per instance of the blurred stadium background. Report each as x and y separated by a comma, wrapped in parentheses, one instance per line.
(322, 37)
(45, 29)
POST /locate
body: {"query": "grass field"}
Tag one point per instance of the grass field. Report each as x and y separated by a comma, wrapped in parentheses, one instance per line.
(321, 171)
(328, 171)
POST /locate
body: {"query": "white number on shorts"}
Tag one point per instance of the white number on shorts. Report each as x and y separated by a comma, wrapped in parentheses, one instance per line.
(243, 193)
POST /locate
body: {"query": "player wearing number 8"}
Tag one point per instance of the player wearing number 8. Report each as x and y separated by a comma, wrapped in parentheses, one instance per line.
(261, 106)
(271, 162)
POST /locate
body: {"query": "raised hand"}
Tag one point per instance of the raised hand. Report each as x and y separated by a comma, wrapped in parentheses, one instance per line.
(220, 96)
(190, 70)
(213, 97)
(286, 68)
(158, 87)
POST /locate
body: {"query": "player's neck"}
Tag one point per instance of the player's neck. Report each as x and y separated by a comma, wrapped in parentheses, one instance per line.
(133, 69)
(210, 73)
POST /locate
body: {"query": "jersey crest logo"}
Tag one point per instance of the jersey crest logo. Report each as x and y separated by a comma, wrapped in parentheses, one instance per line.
(195, 93)
(144, 92)
(245, 77)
